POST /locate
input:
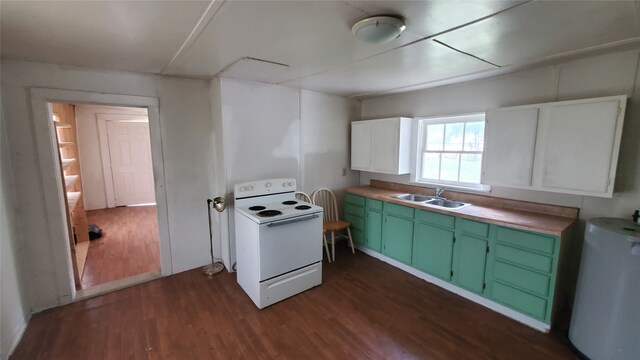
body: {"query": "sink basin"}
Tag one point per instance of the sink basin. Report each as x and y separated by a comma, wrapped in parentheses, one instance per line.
(414, 197)
(446, 203)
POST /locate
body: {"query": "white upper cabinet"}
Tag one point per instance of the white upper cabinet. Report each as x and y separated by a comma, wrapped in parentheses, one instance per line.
(569, 147)
(510, 142)
(381, 146)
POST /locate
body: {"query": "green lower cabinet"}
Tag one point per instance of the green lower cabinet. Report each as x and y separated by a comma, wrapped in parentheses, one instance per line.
(373, 226)
(433, 250)
(471, 258)
(357, 235)
(397, 238)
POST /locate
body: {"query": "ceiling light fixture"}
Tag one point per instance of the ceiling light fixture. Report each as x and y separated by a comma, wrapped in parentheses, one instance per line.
(378, 29)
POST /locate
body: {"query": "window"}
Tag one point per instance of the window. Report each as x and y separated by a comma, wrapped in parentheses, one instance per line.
(449, 150)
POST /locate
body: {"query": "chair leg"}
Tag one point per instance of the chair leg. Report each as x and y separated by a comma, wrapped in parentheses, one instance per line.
(353, 251)
(326, 247)
(333, 245)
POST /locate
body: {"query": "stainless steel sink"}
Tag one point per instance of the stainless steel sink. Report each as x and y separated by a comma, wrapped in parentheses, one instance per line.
(414, 197)
(446, 203)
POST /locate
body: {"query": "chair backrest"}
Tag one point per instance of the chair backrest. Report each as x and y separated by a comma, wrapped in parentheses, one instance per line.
(303, 196)
(325, 198)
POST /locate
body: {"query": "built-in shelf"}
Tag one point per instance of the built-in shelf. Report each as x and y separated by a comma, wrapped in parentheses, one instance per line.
(64, 144)
(69, 180)
(72, 199)
(62, 125)
(67, 162)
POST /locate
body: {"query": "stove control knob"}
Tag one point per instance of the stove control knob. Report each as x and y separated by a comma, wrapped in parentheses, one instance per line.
(267, 185)
(250, 187)
(290, 183)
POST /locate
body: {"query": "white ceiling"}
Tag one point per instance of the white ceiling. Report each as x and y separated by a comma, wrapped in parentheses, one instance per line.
(445, 41)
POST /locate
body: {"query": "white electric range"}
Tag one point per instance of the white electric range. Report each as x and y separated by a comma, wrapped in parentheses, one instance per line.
(278, 241)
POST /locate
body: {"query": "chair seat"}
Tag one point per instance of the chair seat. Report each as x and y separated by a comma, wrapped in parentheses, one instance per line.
(335, 225)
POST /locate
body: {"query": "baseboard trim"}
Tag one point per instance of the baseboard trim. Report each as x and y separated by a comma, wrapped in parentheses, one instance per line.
(15, 339)
(526, 320)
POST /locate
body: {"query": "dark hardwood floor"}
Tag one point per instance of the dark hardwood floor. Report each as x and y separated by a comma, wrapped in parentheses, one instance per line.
(128, 246)
(364, 309)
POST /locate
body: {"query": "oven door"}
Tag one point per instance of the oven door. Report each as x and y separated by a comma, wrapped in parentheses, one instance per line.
(290, 244)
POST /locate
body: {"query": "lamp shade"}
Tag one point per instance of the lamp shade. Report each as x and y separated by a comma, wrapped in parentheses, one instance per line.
(378, 29)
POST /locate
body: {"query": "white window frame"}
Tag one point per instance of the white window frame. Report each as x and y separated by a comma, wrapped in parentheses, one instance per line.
(418, 150)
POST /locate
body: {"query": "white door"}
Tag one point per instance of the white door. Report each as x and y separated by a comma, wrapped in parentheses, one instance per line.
(131, 167)
(384, 145)
(361, 145)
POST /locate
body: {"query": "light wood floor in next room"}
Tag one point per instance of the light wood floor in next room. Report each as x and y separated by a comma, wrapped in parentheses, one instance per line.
(364, 309)
(128, 246)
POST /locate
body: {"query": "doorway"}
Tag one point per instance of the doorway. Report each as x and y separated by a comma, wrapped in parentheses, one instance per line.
(54, 183)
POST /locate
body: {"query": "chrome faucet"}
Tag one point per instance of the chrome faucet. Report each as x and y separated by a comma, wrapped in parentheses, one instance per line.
(439, 192)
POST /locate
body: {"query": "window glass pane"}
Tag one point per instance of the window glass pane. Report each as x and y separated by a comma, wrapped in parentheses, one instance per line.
(434, 137)
(449, 168)
(470, 168)
(431, 166)
(474, 136)
(453, 136)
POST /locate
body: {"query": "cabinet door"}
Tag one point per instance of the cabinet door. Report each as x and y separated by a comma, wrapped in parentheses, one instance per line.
(471, 258)
(580, 140)
(397, 238)
(374, 230)
(433, 250)
(510, 141)
(384, 140)
(361, 145)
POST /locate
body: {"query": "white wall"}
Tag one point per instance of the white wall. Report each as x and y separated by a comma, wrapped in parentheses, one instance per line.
(14, 311)
(186, 127)
(93, 185)
(273, 131)
(612, 74)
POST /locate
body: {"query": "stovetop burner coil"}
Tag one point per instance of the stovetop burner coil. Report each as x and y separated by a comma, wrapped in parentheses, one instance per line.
(257, 208)
(303, 207)
(269, 213)
(289, 202)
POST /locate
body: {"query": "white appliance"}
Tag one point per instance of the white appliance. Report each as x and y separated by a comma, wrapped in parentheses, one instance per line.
(605, 323)
(278, 241)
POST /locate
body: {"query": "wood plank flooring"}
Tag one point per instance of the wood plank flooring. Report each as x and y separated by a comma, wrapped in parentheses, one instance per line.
(128, 246)
(364, 309)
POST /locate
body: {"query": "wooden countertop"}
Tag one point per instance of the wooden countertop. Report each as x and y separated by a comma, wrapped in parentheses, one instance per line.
(519, 219)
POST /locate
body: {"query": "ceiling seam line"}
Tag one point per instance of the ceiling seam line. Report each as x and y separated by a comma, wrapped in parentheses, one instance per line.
(208, 15)
(410, 43)
(466, 53)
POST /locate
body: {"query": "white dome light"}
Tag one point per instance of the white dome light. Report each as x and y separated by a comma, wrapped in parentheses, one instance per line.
(378, 29)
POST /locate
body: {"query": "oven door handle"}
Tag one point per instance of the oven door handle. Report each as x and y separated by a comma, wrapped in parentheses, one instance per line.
(287, 222)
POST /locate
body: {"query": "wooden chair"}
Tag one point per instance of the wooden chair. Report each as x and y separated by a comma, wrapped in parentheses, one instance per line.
(325, 198)
(302, 196)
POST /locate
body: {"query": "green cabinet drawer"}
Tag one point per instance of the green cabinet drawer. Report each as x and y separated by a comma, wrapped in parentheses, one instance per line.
(442, 220)
(374, 230)
(519, 300)
(524, 258)
(397, 238)
(356, 234)
(526, 240)
(374, 204)
(521, 278)
(399, 210)
(474, 228)
(433, 250)
(357, 222)
(353, 209)
(354, 199)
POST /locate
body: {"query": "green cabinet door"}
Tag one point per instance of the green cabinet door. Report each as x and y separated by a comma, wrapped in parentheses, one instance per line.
(433, 250)
(374, 230)
(397, 238)
(470, 259)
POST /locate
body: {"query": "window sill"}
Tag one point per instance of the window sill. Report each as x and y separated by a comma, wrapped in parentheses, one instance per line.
(479, 189)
